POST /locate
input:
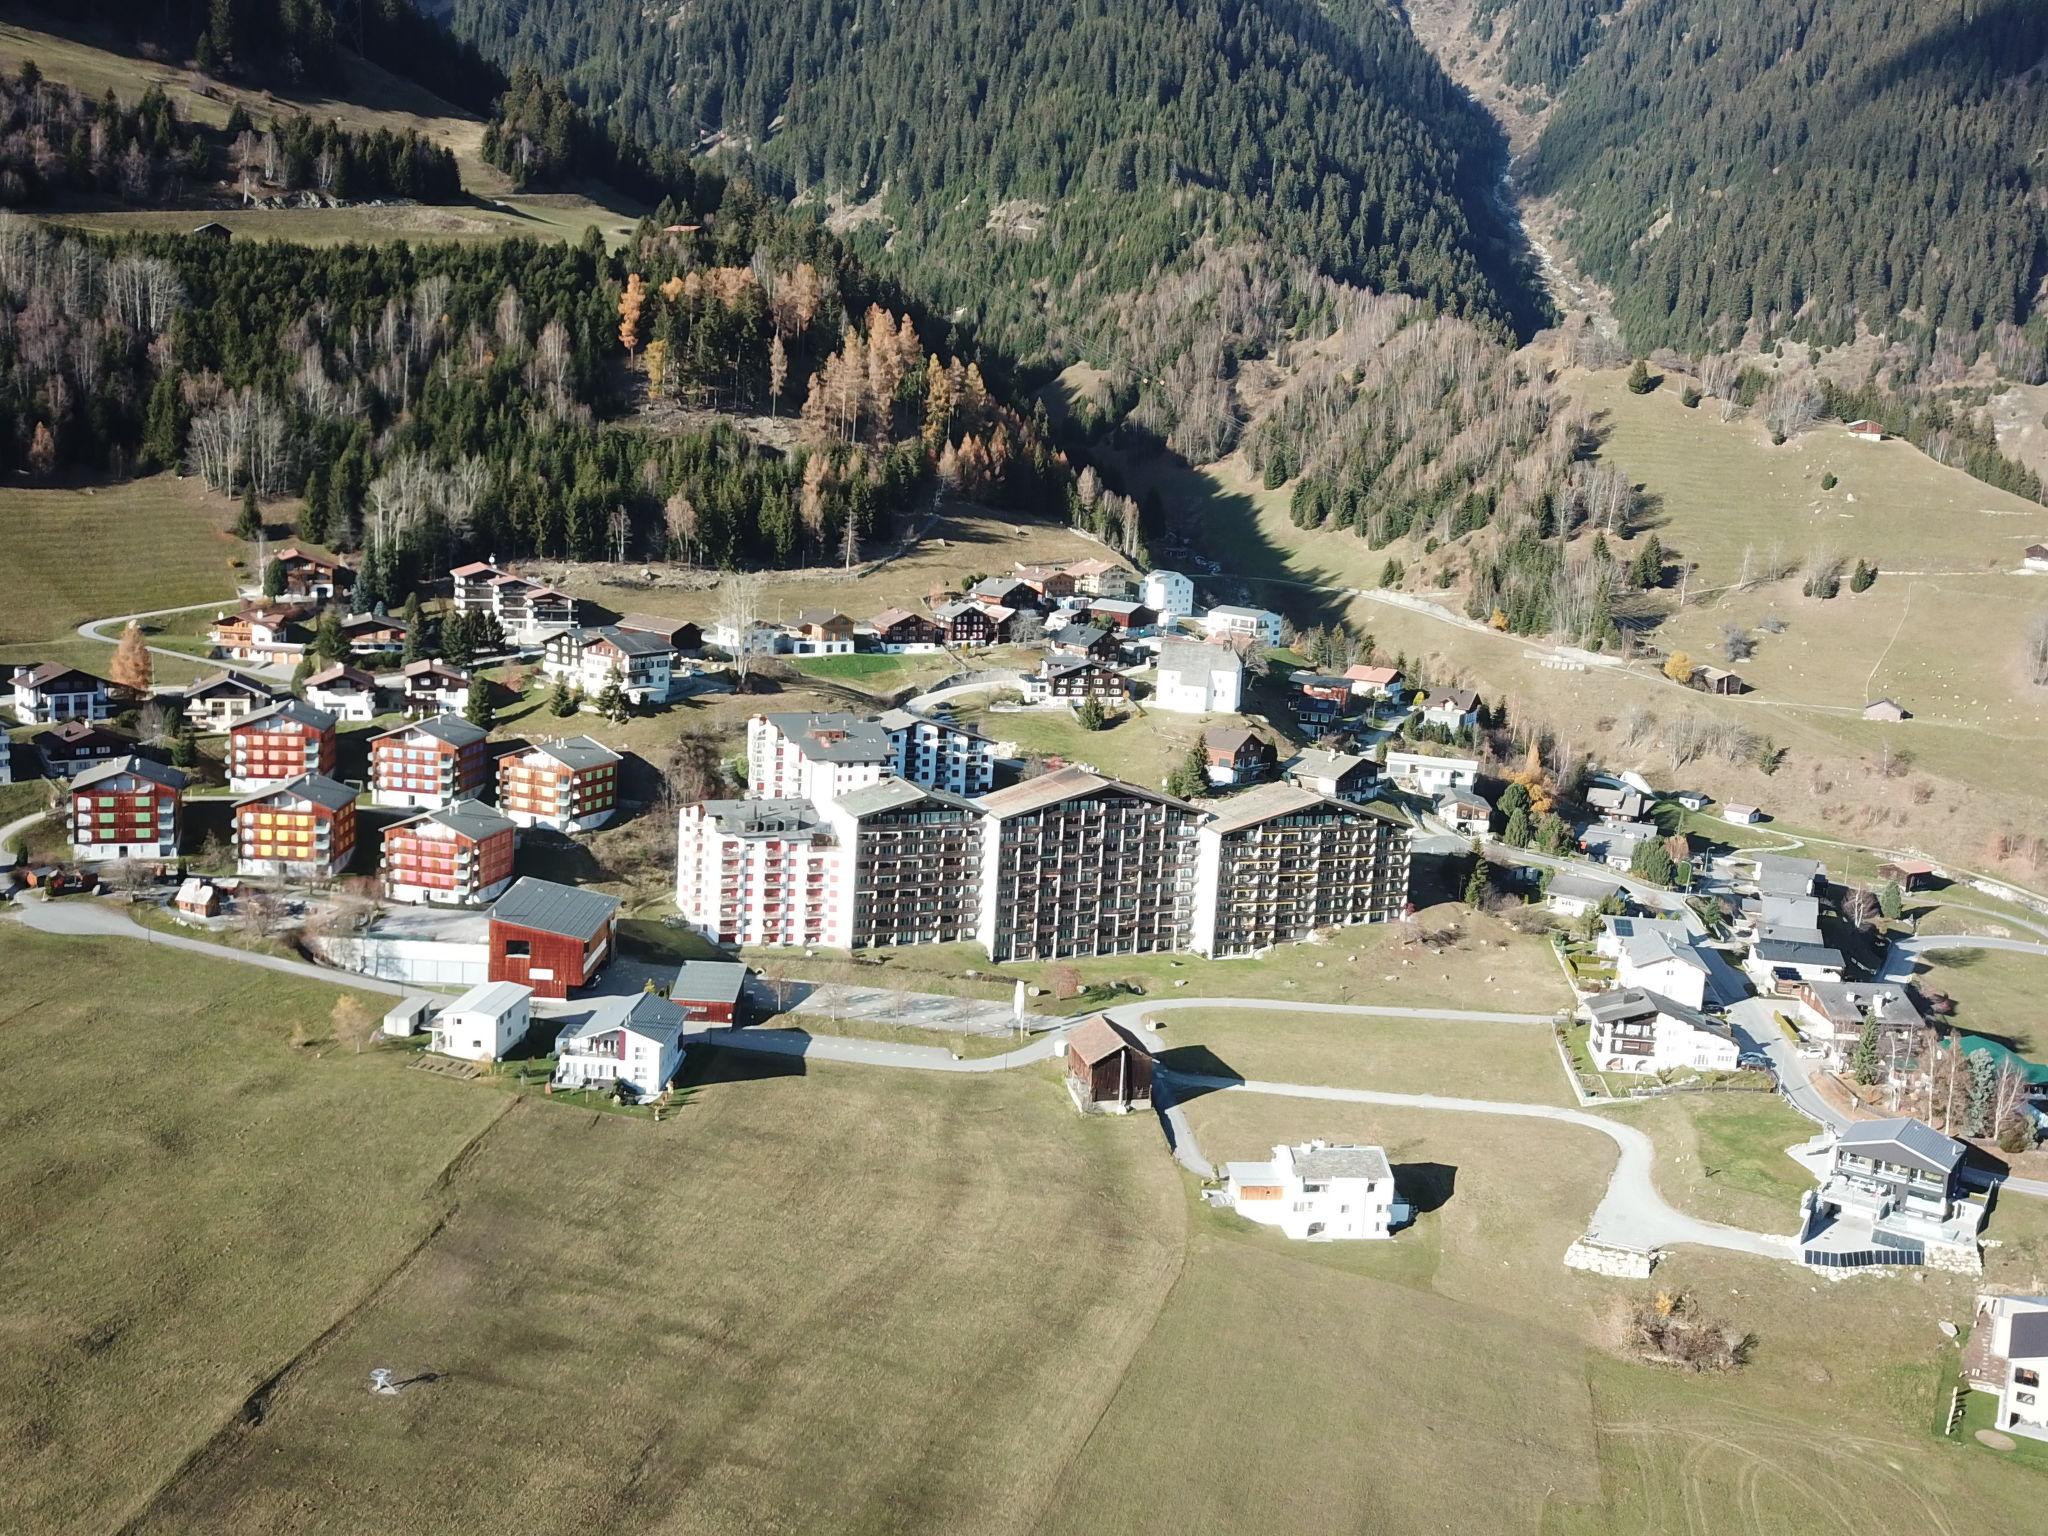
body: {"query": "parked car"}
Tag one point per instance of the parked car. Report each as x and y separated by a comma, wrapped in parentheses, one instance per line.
(1753, 1060)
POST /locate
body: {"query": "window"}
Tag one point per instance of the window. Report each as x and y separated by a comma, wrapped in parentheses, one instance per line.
(518, 949)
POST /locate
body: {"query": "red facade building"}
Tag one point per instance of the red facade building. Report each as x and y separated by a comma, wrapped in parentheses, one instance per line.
(286, 741)
(550, 937)
(458, 857)
(431, 764)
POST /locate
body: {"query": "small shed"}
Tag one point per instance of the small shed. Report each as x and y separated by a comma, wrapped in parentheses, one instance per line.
(198, 898)
(1883, 709)
(1719, 680)
(1868, 431)
(1741, 815)
(1912, 874)
(710, 991)
(409, 1016)
(1108, 1071)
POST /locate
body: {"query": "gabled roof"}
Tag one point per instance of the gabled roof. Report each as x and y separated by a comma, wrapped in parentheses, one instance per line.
(640, 1013)
(452, 729)
(634, 642)
(477, 568)
(550, 908)
(341, 675)
(44, 676)
(496, 998)
(298, 711)
(654, 623)
(433, 666)
(953, 611)
(140, 767)
(1065, 784)
(1266, 801)
(889, 618)
(1378, 677)
(1793, 952)
(1097, 1038)
(894, 794)
(1231, 611)
(1198, 656)
(1061, 666)
(466, 818)
(1585, 887)
(316, 787)
(1322, 763)
(709, 981)
(71, 733)
(1464, 700)
(230, 682)
(1230, 739)
(1313, 1163)
(1912, 1143)
(577, 752)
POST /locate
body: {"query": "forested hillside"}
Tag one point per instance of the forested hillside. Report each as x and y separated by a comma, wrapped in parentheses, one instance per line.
(1802, 167)
(1030, 163)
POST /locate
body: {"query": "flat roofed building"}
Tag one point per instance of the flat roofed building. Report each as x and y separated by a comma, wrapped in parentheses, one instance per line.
(939, 754)
(1279, 862)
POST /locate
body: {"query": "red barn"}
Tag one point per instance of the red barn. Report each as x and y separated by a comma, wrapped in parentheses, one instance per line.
(550, 937)
(1107, 1069)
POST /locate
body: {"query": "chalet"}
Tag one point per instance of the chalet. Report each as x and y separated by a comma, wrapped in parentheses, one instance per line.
(2008, 1358)
(125, 809)
(71, 748)
(1257, 625)
(1099, 578)
(1128, 619)
(1617, 802)
(1574, 895)
(217, 702)
(372, 636)
(1319, 702)
(1317, 1192)
(1425, 773)
(1885, 710)
(1776, 874)
(1615, 843)
(1078, 677)
(1108, 1070)
(1003, 592)
(1049, 581)
(485, 1023)
(592, 659)
(1339, 775)
(821, 632)
(1911, 874)
(572, 785)
(1374, 683)
(710, 991)
(1659, 957)
(287, 741)
(628, 1045)
(1168, 594)
(1834, 1014)
(1464, 812)
(429, 764)
(1087, 640)
(1236, 756)
(1634, 1030)
(47, 692)
(428, 687)
(1866, 431)
(1718, 680)
(1777, 966)
(899, 631)
(1452, 709)
(680, 634)
(197, 897)
(550, 937)
(972, 624)
(306, 828)
(347, 693)
(266, 636)
(2034, 558)
(461, 856)
(1893, 1195)
(313, 576)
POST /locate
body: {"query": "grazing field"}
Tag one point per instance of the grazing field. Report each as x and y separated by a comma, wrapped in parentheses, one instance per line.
(551, 216)
(1138, 748)
(1481, 1061)
(1721, 1156)
(1997, 993)
(72, 555)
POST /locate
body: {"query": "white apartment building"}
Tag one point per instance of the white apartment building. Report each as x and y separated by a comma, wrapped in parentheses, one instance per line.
(590, 660)
(1426, 774)
(1168, 594)
(937, 754)
(1197, 678)
(761, 872)
(1258, 624)
(1640, 1031)
(1317, 1192)
(815, 757)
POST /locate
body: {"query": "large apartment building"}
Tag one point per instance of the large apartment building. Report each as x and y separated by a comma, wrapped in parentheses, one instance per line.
(1279, 862)
(760, 872)
(939, 754)
(1077, 864)
(273, 746)
(525, 609)
(125, 809)
(429, 765)
(461, 856)
(572, 785)
(910, 865)
(306, 828)
(815, 757)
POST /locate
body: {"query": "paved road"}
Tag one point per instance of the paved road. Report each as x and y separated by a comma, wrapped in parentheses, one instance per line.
(1901, 955)
(1655, 897)
(95, 629)
(11, 830)
(1131, 1015)
(995, 677)
(91, 919)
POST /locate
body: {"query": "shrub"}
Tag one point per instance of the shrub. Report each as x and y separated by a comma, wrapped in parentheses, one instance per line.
(1828, 481)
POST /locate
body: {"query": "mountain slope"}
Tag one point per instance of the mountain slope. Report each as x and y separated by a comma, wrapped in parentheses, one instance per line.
(1804, 167)
(1031, 160)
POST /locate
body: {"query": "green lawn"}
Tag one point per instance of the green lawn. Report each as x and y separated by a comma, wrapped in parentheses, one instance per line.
(1483, 1061)
(1997, 994)
(1721, 1156)
(72, 555)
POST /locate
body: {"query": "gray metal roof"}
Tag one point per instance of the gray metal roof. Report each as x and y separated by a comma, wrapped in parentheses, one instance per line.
(298, 711)
(468, 818)
(316, 787)
(1263, 802)
(552, 908)
(141, 767)
(1911, 1142)
(1198, 656)
(452, 729)
(1586, 887)
(1065, 784)
(230, 681)
(709, 981)
(762, 818)
(1342, 1163)
(578, 752)
(835, 737)
(893, 794)
(635, 642)
(1322, 763)
(1786, 952)
(495, 998)
(641, 1012)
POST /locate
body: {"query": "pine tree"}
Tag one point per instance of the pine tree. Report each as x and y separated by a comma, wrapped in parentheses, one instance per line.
(313, 517)
(329, 643)
(163, 437)
(1190, 776)
(1639, 380)
(249, 521)
(1861, 578)
(562, 701)
(481, 710)
(1478, 882)
(1091, 716)
(1891, 901)
(1864, 1065)
(1517, 832)
(273, 578)
(612, 702)
(415, 620)
(458, 639)
(185, 746)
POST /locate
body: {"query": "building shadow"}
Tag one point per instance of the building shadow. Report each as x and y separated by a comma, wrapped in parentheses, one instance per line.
(1425, 1186)
(711, 1061)
(1196, 1070)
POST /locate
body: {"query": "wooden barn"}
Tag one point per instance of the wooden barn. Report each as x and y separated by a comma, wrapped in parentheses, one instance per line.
(1108, 1071)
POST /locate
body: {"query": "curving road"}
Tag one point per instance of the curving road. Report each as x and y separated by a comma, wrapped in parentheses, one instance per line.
(1900, 957)
(94, 629)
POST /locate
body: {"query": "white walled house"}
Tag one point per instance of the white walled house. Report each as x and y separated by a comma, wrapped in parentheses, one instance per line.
(1259, 624)
(643, 665)
(1427, 774)
(633, 1043)
(1196, 678)
(485, 1022)
(1639, 1031)
(1317, 1192)
(1168, 594)
(2008, 1357)
(815, 757)
(345, 692)
(1655, 961)
(47, 693)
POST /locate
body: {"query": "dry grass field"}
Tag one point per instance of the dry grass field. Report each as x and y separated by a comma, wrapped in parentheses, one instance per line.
(1997, 993)
(1721, 1156)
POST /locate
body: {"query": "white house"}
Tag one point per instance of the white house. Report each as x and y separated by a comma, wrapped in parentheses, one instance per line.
(50, 691)
(1741, 815)
(1454, 709)
(1196, 678)
(643, 665)
(1640, 1031)
(1655, 960)
(1168, 594)
(633, 1043)
(1317, 1192)
(1429, 775)
(1574, 895)
(938, 754)
(1257, 624)
(2008, 1357)
(1834, 1014)
(347, 693)
(1464, 810)
(1782, 965)
(485, 1022)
